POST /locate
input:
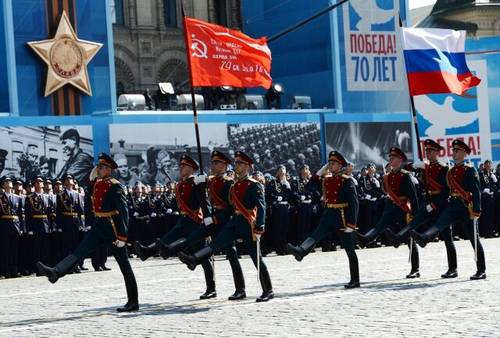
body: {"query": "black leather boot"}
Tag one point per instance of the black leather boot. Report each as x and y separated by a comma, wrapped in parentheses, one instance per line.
(299, 252)
(132, 293)
(450, 274)
(168, 250)
(478, 275)
(238, 278)
(209, 280)
(366, 239)
(61, 269)
(424, 238)
(144, 252)
(413, 274)
(267, 287)
(193, 260)
(354, 271)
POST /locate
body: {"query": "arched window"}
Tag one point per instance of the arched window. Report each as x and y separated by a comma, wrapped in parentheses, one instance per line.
(170, 13)
(117, 15)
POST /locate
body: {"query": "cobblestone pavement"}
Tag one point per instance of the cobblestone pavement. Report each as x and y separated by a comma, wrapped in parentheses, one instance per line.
(310, 299)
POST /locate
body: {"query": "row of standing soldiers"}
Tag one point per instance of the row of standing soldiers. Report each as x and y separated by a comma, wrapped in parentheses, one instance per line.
(44, 223)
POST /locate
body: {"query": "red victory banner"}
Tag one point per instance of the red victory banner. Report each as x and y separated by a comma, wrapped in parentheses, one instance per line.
(225, 57)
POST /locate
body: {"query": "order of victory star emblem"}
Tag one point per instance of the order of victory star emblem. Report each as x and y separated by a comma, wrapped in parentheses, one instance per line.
(67, 58)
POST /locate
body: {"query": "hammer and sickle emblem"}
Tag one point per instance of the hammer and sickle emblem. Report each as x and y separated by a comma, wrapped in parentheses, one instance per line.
(199, 48)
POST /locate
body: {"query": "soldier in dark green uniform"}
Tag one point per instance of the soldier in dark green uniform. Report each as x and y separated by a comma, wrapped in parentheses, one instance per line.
(340, 214)
(247, 222)
(219, 186)
(110, 226)
(400, 207)
(195, 211)
(436, 197)
(464, 206)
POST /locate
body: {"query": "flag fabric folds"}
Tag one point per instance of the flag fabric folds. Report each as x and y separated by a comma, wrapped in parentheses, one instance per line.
(435, 61)
(224, 57)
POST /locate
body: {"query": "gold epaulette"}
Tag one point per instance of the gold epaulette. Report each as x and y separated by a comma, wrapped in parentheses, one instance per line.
(114, 181)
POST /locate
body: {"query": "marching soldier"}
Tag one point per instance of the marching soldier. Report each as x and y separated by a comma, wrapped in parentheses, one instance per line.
(219, 186)
(11, 214)
(192, 202)
(37, 211)
(400, 207)
(437, 192)
(464, 206)
(247, 222)
(110, 226)
(340, 214)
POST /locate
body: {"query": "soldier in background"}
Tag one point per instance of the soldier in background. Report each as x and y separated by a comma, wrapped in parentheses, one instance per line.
(488, 183)
(68, 212)
(305, 195)
(37, 210)
(11, 216)
(279, 196)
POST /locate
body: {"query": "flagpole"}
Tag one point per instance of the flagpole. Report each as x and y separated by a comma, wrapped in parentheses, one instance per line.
(193, 100)
(413, 111)
(303, 22)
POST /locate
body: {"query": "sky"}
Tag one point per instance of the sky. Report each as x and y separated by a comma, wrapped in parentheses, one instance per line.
(420, 3)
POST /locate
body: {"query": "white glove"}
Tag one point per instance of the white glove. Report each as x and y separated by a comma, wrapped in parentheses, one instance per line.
(323, 170)
(93, 174)
(153, 214)
(169, 211)
(88, 228)
(302, 198)
(418, 165)
(475, 219)
(136, 214)
(377, 183)
(207, 221)
(30, 233)
(200, 179)
(493, 178)
(429, 208)
(368, 196)
(119, 244)
(486, 190)
(280, 198)
(414, 180)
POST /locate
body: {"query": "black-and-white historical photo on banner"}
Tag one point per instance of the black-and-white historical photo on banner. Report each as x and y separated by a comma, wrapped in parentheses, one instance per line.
(150, 153)
(50, 151)
(368, 142)
(270, 145)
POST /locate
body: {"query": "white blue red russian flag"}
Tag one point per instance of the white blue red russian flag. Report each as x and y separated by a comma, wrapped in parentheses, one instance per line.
(435, 61)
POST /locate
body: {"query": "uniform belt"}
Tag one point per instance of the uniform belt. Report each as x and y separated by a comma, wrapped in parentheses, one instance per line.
(238, 212)
(105, 214)
(39, 216)
(403, 198)
(337, 205)
(454, 194)
(282, 203)
(73, 214)
(306, 202)
(434, 192)
(219, 207)
(10, 217)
